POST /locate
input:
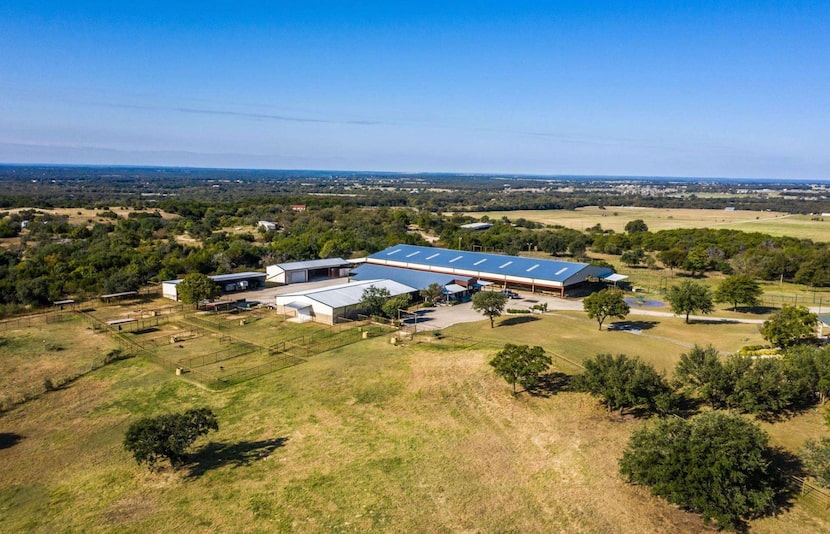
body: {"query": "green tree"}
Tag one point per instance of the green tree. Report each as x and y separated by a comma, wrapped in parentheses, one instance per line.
(196, 287)
(716, 464)
(701, 371)
(632, 257)
(689, 297)
(789, 326)
(697, 260)
(739, 289)
(373, 299)
(393, 304)
(625, 382)
(606, 303)
(152, 439)
(521, 364)
(432, 293)
(490, 303)
(636, 226)
(672, 258)
(760, 388)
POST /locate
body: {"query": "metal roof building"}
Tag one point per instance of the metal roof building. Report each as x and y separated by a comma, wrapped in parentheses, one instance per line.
(409, 277)
(328, 304)
(227, 282)
(532, 273)
(304, 271)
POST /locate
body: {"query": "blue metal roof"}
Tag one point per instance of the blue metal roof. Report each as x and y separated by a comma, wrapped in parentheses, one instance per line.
(409, 277)
(487, 265)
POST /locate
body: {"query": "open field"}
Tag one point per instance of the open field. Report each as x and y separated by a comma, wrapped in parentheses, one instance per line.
(90, 216)
(33, 354)
(571, 335)
(616, 217)
(369, 437)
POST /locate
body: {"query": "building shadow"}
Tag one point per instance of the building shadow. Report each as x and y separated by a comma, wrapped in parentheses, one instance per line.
(215, 455)
(512, 321)
(9, 439)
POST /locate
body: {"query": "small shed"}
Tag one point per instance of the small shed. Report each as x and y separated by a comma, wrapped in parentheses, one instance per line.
(306, 271)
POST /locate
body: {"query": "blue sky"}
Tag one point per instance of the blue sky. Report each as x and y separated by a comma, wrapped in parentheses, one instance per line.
(731, 89)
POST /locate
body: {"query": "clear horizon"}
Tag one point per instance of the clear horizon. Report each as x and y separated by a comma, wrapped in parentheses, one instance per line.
(656, 89)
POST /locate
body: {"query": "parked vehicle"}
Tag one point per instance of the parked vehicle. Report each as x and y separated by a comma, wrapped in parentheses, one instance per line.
(510, 294)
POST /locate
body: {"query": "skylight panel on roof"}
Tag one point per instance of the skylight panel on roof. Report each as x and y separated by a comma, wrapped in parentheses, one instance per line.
(434, 255)
(479, 262)
(531, 268)
(503, 265)
(413, 253)
(560, 271)
(455, 259)
(394, 252)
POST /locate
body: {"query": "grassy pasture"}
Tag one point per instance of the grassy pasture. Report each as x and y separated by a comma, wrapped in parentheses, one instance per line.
(574, 337)
(616, 217)
(30, 355)
(368, 437)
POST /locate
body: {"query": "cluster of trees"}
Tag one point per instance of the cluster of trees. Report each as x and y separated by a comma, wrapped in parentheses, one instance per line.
(697, 250)
(57, 259)
(626, 383)
(766, 387)
(716, 464)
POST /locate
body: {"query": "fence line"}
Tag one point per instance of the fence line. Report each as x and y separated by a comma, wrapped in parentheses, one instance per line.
(813, 492)
(220, 355)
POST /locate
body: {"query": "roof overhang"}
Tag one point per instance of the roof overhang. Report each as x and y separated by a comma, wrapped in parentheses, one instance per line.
(452, 289)
(615, 278)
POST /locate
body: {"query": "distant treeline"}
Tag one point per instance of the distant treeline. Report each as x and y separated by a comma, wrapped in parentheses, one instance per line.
(96, 187)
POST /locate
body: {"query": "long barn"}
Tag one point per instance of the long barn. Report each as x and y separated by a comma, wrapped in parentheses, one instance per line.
(529, 273)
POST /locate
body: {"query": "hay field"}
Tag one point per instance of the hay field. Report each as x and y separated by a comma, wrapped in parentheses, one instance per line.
(616, 217)
(367, 438)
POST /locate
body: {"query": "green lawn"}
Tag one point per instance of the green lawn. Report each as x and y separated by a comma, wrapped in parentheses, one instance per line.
(574, 337)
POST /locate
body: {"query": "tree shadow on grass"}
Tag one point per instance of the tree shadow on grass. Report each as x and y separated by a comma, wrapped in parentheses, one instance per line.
(9, 439)
(214, 455)
(550, 384)
(784, 466)
(712, 321)
(760, 310)
(512, 321)
(633, 325)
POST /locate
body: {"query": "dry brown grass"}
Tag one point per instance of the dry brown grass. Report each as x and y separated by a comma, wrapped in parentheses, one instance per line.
(88, 216)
